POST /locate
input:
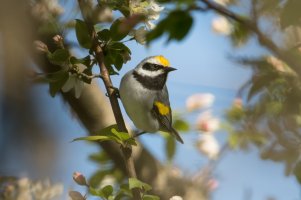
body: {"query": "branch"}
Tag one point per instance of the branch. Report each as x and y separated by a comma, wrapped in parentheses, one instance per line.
(126, 150)
(262, 38)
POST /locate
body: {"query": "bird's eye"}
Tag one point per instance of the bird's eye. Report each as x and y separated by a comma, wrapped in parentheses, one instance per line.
(151, 67)
(155, 67)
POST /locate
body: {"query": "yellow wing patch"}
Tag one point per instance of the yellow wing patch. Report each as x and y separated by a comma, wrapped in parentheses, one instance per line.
(163, 109)
(163, 61)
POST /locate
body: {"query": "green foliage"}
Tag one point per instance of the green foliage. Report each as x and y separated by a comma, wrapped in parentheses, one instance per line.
(57, 80)
(291, 14)
(109, 133)
(59, 57)
(181, 125)
(117, 33)
(116, 53)
(104, 35)
(235, 114)
(170, 147)
(240, 34)
(243, 138)
(135, 183)
(82, 34)
(177, 25)
(150, 197)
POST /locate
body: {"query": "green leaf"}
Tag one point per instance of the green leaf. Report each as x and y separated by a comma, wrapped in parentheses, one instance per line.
(156, 32)
(291, 14)
(118, 62)
(240, 34)
(181, 125)
(150, 197)
(107, 191)
(123, 137)
(177, 24)
(297, 172)
(57, 80)
(93, 138)
(82, 34)
(59, 56)
(104, 35)
(233, 140)
(95, 192)
(120, 47)
(85, 61)
(117, 33)
(105, 131)
(135, 183)
(170, 147)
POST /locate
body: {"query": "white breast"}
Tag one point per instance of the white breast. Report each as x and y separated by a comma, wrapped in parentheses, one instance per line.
(138, 103)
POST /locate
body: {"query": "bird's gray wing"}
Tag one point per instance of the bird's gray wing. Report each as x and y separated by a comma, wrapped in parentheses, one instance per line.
(163, 113)
(161, 109)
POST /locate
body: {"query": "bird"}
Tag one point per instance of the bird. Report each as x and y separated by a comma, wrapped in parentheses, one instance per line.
(144, 95)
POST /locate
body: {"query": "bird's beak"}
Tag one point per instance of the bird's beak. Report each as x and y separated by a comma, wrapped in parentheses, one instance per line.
(169, 69)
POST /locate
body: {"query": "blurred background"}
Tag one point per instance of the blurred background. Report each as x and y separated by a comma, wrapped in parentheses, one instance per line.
(235, 98)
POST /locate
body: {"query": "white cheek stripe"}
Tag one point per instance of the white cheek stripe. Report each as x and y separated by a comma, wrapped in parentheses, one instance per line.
(149, 73)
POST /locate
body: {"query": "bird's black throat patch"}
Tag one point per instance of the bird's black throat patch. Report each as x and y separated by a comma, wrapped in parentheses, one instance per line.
(152, 83)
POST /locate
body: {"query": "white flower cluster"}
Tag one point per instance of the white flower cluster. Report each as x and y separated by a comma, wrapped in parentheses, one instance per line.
(46, 9)
(27, 190)
(151, 10)
(206, 124)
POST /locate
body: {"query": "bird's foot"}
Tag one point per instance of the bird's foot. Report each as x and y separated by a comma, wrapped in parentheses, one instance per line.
(115, 92)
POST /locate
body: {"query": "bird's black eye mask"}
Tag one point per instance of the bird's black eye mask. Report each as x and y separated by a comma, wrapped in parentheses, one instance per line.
(152, 67)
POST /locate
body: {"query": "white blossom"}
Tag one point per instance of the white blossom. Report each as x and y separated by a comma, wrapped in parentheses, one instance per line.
(150, 9)
(208, 145)
(46, 9)
(199, 101)
(176, 198)
(27, 190)
(207, 123)
(222, 2)
(140, 34)
(222, 25)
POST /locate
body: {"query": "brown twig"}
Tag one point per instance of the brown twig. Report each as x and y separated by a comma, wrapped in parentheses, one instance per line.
(262, 38)
(126, 150)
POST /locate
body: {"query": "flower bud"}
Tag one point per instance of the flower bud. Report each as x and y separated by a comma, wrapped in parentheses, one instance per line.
(74, 195)
(41, 46)
(79, 178)
(237, 103)
(58, 39)
(212, 184)
(222, 25)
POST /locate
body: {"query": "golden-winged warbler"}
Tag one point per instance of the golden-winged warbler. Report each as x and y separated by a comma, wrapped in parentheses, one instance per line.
(145, 96)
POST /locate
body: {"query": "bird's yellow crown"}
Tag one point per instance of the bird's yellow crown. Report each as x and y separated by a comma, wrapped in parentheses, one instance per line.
(163, 61)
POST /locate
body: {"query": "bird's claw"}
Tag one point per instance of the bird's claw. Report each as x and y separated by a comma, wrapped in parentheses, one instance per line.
(115, 92)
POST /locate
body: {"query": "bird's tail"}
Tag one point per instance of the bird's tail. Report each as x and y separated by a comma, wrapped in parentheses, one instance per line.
(176, 134)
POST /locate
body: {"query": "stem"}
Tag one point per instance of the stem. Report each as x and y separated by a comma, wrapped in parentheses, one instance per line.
(126, 150)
